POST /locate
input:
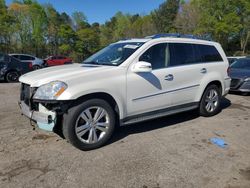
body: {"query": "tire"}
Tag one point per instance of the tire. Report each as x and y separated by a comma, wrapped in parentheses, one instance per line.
(245, 93)
(12, 76)
(68, 63)
(36, 67)
(77, 126)
(210, 103)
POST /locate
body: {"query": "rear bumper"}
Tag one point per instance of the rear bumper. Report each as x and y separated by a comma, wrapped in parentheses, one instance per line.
(227, 83)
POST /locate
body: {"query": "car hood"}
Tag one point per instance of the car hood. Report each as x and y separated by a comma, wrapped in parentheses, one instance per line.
(239, 73)
(64, 73)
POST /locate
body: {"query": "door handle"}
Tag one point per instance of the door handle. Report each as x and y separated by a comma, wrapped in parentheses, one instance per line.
(169, 77)
(203, 71)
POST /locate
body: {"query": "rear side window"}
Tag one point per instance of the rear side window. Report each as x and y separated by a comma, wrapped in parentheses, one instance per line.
(25, 57)
(208, 53)
(182, 54)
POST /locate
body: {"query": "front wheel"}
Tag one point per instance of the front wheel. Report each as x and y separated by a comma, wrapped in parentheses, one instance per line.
(210, 104)
(12, 76)
(89, 125)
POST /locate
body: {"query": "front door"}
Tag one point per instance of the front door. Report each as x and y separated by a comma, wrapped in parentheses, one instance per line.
(147, 92)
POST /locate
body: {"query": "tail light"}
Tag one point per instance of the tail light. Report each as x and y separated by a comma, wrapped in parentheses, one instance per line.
(30, 66)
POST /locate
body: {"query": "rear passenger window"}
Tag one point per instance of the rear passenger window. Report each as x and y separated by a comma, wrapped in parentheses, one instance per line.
(24, 57)
(209, 53)
(182, 54)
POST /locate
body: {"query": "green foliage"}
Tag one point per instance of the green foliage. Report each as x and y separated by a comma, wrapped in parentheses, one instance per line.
(29, 27)
(165, 15)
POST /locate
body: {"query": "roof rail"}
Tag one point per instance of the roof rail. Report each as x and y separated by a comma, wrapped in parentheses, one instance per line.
(178, 35)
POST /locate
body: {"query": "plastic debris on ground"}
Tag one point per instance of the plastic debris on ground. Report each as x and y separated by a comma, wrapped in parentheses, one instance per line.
(219, 142)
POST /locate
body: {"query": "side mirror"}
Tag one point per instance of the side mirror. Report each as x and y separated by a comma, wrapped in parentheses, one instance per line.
(142, 66)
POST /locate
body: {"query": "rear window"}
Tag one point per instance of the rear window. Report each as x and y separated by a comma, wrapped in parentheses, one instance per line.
(241, 64)
(208, 53)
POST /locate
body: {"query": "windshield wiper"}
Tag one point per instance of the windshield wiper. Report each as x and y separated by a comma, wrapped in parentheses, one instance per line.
(96, 63)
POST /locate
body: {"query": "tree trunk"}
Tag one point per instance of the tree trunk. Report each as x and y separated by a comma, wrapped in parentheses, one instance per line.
(245, 43)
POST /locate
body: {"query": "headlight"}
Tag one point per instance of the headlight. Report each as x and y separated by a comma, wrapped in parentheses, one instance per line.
(50, 91)
(247, 80)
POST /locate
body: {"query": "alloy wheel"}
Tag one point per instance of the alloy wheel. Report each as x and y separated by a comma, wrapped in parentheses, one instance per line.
(12, 77)
(212, 100)
(92, 125)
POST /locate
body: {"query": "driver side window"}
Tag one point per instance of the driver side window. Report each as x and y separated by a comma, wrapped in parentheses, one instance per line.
(157, 55)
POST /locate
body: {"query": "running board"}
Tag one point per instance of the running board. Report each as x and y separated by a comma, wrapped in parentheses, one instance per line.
(159, 113)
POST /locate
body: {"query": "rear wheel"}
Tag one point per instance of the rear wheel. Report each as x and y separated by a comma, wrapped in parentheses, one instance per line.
(89, 125)
(12, 76)
(36, 67)
(210, 102)
(245, 93)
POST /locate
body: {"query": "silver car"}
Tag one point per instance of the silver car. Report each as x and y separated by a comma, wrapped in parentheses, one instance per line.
(37, 63)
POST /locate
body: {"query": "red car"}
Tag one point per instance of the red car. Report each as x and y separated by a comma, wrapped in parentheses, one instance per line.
(57, 60)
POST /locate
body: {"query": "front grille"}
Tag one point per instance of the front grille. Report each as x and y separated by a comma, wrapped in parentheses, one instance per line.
(25, 94)
(235, 83)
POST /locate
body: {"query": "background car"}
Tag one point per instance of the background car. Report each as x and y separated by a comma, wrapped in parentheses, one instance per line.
(240, 73)
(37, 63)
(57, 60)
(234, 58)
(11, 68)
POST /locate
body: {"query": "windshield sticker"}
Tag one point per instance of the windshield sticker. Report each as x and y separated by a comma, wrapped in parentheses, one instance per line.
(131, 46)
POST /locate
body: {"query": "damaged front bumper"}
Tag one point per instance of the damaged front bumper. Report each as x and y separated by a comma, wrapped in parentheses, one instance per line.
(44, 118)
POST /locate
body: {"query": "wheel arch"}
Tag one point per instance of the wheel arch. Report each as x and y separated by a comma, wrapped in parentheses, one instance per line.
(10, 70)
(115, 104)
(218, 83)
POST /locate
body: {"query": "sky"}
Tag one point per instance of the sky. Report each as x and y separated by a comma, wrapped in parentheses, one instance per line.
(102, 10)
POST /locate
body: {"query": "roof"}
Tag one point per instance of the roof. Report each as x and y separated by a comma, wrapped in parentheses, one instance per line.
(172, 37)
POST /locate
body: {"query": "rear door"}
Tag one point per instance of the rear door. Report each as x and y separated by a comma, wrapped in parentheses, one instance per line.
(61, 60)
(187, 69)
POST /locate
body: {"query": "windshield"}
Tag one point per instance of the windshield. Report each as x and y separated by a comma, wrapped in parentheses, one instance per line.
(241, 64)
(114, 54)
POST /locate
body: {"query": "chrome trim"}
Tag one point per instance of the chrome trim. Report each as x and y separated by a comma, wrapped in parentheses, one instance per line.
(165, 92)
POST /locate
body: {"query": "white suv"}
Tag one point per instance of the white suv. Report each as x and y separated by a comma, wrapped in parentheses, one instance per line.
(127, 82)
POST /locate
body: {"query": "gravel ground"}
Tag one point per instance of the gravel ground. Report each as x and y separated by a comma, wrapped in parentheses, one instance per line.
(169, 152)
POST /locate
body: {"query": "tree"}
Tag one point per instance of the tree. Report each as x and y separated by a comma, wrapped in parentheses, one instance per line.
(165, 15)
(88, 42)
(67, 39)
(243, 11)
(6, 27)
(80, 20)
(188, 18)
(218, 19)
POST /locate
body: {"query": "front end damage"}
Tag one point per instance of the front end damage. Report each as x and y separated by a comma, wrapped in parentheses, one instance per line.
(44, 113)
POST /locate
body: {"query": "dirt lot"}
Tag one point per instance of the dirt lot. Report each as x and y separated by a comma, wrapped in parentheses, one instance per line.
(169, 152)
